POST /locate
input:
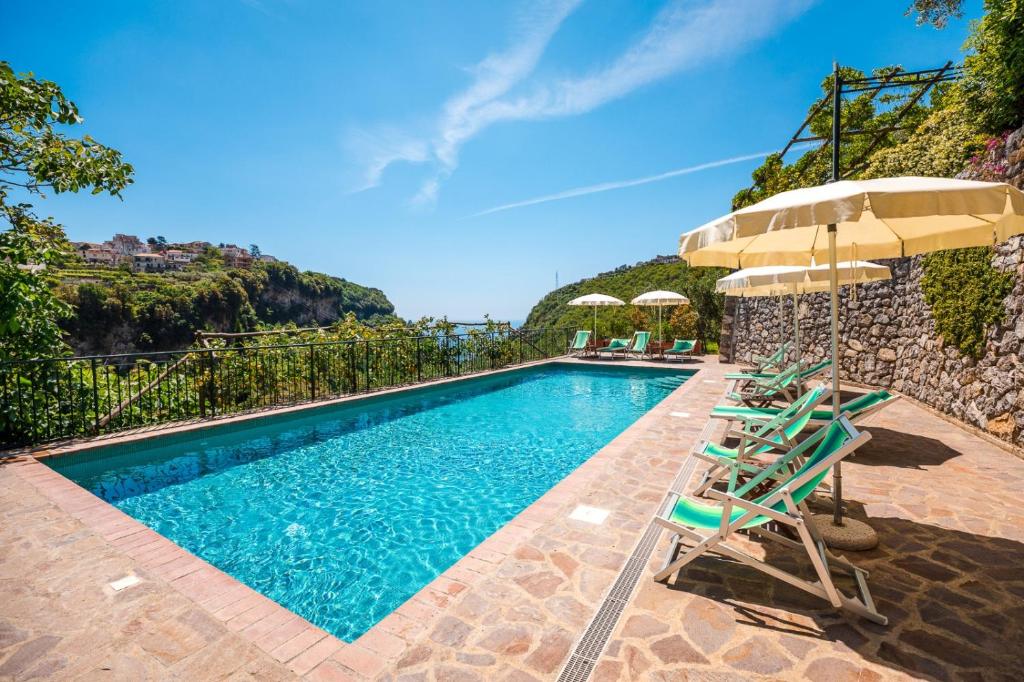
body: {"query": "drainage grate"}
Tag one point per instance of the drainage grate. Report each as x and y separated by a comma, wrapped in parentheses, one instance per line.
(589, 647)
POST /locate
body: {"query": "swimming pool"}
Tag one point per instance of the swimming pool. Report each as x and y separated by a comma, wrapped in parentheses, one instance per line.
(342, 513)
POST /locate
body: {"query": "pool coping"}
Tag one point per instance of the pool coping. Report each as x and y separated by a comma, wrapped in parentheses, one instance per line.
(282, 634)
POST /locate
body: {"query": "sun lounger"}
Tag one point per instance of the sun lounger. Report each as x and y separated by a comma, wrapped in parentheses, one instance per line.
(762, 391)
(773, 361)
(859, 408)
(639, 344)
(680, 349)
(775, 435)
(615, 346)
(579, 343)
(710, 527)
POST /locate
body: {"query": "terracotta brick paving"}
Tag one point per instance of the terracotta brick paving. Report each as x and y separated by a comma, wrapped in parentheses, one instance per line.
(511, 610)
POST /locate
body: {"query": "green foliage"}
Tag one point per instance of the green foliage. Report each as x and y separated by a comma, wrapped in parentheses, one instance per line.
(993, 85)
(940, 147)
(966, 295)
(627, 282)
(936, 12)
(149, 312)
(29, 308)
(35, 156)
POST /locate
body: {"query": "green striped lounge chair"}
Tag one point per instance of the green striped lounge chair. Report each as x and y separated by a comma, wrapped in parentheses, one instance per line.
(858, 409)
(708, 528)
(638, 347)
(773, 361)
(579, 343)
(776, 435)
(615, 346)
(681, 348)
(762, 391)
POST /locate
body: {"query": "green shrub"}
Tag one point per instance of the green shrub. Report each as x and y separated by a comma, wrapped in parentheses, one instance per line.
(966, 295)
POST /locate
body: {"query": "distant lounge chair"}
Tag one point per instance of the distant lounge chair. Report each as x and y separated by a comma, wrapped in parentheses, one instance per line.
(639, 344)
(762, 391)
(579, 343)
(681, 348)
(615, 346)
(773, 361)
(777, 434)
(709, 527)
(858, 409)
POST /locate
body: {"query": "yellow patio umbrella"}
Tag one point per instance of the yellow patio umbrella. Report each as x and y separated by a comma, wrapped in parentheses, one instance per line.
(660, 298)
(851, 219)
(780, 280)
(596, 301)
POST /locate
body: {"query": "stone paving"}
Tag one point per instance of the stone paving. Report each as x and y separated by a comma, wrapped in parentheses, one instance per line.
(947, 573)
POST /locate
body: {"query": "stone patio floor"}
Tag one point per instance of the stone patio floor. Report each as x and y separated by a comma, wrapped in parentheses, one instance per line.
(949, 574)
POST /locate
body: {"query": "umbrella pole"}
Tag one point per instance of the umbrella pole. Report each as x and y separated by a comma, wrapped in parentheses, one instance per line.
(796, 337)
(659, 325)
(833, 279)
(595, 325)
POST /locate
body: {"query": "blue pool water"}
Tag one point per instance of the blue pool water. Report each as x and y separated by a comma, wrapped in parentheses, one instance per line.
(342, 514)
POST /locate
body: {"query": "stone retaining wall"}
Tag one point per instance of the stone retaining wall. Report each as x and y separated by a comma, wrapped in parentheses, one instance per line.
(888, 335)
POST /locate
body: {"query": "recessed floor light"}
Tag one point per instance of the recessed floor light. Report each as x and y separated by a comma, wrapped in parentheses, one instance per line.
(681, 415)
(125, 583)
(589, 514)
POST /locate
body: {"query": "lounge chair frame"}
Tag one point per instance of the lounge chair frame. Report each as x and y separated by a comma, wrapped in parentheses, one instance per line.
(632, 349)
(754, 438)
(796, 516)
(576, 349)
(854, 417)
(688, 353)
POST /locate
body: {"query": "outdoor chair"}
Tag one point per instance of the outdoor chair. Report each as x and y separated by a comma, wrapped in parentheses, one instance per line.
(639, 344)
(680, 349)
(762, 391)
(615, 346)
(710, 527)
(578, 346)
(775, 360)
(777, 435)
(859, 409)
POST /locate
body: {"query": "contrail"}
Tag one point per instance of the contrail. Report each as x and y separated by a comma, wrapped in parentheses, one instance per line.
(619, 184)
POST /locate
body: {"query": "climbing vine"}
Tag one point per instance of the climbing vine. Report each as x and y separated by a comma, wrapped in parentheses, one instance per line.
(966, 295)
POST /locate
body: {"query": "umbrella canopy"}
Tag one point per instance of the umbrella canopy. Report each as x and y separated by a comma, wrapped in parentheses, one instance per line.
(660, 298)
(596, 301)
(851, 219)
(775, 280)
(883, 218)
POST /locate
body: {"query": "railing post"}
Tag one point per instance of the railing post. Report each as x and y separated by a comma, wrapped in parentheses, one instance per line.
(520, 347)
(312, 374)
(95, 399)
(367, 342)
(213, 384)
(419, 358)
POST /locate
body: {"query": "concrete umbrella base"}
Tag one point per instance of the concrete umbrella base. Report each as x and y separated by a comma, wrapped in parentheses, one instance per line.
(853, 535)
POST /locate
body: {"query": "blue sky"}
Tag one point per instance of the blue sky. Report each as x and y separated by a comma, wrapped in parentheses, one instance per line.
(402, 144)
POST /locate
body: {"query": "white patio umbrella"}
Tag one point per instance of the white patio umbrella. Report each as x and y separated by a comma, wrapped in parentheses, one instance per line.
(596, 301)
(660, 298)
(780, 280)
(851, 219)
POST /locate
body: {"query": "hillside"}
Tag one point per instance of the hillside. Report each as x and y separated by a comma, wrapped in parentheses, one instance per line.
(626, 282)
(117, 311)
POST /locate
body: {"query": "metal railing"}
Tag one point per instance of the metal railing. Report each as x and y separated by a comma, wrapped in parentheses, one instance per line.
(59, 398)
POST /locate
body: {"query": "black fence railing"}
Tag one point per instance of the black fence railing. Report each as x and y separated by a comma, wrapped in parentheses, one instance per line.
(59, 398)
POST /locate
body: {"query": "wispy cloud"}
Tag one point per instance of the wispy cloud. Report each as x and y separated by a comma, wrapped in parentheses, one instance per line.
(620, 184)
(683, 35)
